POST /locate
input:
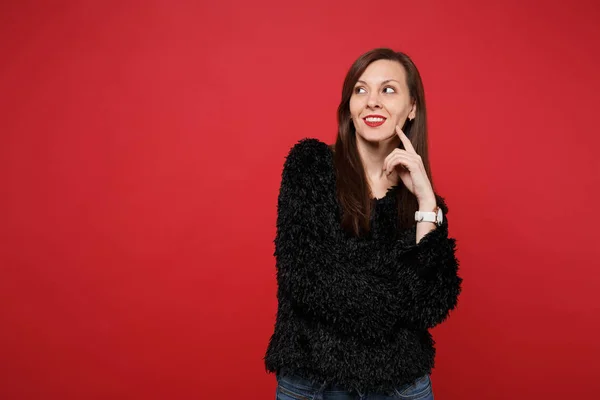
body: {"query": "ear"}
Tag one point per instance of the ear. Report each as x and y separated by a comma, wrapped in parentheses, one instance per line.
(413, 112)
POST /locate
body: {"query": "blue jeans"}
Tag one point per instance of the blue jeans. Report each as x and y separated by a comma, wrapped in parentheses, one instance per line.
(293, 387)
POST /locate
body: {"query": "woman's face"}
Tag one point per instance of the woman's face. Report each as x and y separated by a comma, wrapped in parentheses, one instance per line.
(380, 101)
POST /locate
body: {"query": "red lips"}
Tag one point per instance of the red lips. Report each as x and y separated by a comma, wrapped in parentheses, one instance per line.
(380, 120)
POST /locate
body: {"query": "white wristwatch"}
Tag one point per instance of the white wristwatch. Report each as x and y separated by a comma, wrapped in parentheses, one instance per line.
(430, 216)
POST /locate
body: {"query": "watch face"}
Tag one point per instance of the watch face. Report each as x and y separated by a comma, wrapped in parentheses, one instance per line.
(440, 216)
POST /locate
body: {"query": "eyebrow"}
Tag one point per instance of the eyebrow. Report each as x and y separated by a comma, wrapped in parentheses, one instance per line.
(383, 83)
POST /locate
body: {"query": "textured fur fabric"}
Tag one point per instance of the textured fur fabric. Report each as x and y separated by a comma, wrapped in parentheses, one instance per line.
(354, 311)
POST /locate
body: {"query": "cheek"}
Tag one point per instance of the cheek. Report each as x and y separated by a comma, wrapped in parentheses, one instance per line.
(355, 107)
(399, 110)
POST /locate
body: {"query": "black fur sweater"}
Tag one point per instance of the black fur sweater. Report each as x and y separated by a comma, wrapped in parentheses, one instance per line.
(354, 311)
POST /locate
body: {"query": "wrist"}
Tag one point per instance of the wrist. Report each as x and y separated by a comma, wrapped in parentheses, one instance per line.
(428, 205)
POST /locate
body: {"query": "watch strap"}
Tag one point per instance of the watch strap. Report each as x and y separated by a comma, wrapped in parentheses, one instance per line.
(430, 216)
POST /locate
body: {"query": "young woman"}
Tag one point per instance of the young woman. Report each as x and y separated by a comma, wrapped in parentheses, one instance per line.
(365, 266)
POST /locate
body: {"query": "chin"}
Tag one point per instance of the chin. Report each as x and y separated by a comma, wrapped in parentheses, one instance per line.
(375, 137)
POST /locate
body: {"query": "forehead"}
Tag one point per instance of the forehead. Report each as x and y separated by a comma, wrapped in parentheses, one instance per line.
(381, 70)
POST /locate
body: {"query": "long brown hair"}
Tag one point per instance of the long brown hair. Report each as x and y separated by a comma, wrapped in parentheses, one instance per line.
(353, 189)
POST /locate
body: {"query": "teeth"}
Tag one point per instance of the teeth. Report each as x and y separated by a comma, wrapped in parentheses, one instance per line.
(373, 119)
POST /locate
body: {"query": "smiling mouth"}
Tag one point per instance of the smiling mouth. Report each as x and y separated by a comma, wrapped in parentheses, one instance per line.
(374, 121)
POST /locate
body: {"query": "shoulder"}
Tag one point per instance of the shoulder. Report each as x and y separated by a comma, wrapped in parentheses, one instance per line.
(309, 164)
(309, 152)
(441, 203)
(309, 155)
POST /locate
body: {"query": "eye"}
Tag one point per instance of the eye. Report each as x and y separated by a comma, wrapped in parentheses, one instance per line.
(358, 89)
(390, 88)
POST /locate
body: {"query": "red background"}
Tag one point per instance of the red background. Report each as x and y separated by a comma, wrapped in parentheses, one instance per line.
(141, 147)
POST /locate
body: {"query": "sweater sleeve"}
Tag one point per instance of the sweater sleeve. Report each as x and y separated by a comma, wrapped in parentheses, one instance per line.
(426, 272)
(312, 265)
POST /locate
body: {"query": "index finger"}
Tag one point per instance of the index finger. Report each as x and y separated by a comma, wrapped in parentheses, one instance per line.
(405, 140)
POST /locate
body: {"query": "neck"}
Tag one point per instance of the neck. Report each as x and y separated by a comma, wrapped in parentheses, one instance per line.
(373, 154)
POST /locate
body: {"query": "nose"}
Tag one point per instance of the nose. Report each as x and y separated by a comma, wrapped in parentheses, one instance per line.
(373, 101)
